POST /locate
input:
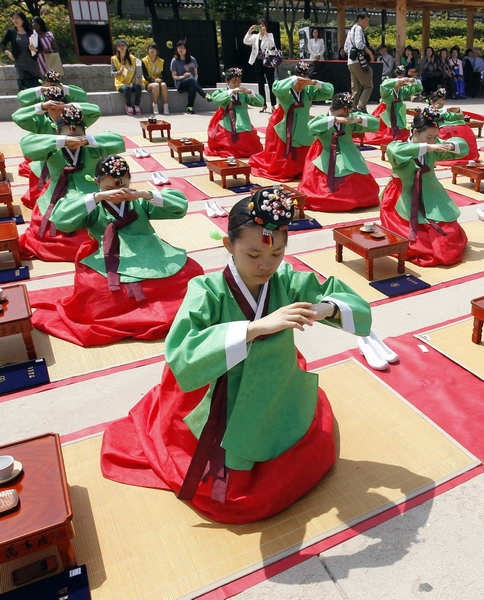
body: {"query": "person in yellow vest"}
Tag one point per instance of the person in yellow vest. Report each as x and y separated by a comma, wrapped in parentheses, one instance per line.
(152, 66)
(127, 80)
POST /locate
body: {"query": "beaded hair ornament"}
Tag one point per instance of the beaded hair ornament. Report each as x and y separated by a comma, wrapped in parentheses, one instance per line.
(72, 116)
(52, 77)
(273, 208)
(232, 73)
(400, 71)
(343, 100)
(56, 94)
(439, 93)
(302, 68)
(431, 115)
(114, 165)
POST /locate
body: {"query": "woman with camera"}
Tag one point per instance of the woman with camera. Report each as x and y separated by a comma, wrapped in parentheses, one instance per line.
(263, 44)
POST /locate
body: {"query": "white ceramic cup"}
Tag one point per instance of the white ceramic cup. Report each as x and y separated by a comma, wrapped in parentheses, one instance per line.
(471, 163)
(370, 226)
(6, 466)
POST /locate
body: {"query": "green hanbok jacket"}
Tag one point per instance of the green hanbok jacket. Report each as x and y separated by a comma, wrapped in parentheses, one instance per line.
(388, 94)
(34, 119)
(282, 91)
(223, 98)
(450, 118)
(49, 148)
(439, 206)
(72, 93)
(142, 254)
(348, 157)
(270, 400)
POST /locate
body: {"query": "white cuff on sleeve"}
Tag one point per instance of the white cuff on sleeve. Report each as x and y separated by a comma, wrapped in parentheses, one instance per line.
(347, 321)
(38, 91)
(157, 199)
(76, 105)
(90, 202)
(91, 141)
(330, 122)
(456, 147)
(422, 150)
(364, 121)
(236, 343)
(66, 90)
(38, 108)
(319, 84)
(61, 141)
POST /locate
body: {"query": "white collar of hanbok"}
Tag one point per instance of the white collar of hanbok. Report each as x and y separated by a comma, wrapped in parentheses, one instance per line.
(258, 306)
(74, 155)
(119, 208)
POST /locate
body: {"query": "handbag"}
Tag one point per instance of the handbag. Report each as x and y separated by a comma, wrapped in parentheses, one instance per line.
(53, 62)
(363, 60)
(272, 58)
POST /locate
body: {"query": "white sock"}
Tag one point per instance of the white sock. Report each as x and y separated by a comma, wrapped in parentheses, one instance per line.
(166, 109)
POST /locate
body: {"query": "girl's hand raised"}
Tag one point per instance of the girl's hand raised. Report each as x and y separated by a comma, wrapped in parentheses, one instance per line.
(293, 316)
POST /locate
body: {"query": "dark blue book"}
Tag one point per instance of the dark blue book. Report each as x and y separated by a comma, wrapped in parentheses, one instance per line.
(398, 286)
(20, 376)
(200, 163)
(17, 274)
(72, 584)
(302, 224)
(19, 220)
(243, 189)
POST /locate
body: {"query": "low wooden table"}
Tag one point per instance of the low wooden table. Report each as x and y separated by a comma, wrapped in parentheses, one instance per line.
(16, 316)
(478, 313)
(182, 148)
(3, 170)
(475, 124)
(222, 168)
(383, 149)
(148, 128)
(359, 135)
(370, 248)
(475, 174)
(6, 196)
(44, 516)
(9, 240)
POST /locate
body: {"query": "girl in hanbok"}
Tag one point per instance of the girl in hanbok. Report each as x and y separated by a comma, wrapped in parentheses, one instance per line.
(287, 136)
(128, 282)
(42, 118)
(238, 428)
(336, 177)
(392, 111)
(230, 132)
(415, 204)
(69, 156)
(453, 124)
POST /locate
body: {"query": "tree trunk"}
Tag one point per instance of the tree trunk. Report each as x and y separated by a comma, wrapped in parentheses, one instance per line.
(151, 7)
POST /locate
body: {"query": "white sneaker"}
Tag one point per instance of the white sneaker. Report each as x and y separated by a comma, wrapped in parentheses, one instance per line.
(155, 109)
(382, 349)
(480, 213)
(374, 359)
(137, 152)
(143, 153)
(166, 110)
(159, 179)
(209, 210)
(219, 211)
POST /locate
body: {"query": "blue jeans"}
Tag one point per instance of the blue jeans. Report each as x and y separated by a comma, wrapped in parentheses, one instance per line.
(127, 90)
(191, 86)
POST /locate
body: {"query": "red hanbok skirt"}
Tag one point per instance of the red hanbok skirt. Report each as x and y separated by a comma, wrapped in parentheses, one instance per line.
(384, 134)
(89, 314)
(220, 140)
(430, 248)
(355, 190)
(34, 192)
(462, 131)
(270, 163)
(153, 447)
(60, 247)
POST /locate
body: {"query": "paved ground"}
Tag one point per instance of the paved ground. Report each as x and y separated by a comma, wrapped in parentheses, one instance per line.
(434, 551)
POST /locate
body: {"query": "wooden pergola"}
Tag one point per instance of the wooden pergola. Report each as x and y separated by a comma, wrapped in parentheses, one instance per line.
(401, 7)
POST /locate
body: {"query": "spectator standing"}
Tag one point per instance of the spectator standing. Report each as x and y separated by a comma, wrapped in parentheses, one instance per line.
(358, 52)
(316, 46)
(470, 79)
(261, 42)
(184, 70)
(448, 80)
(44, 46)
(126, 78)
(18, 37)
(458, 71)
(387, 59)
(478, 69)
(431, 72)
(152, 66)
